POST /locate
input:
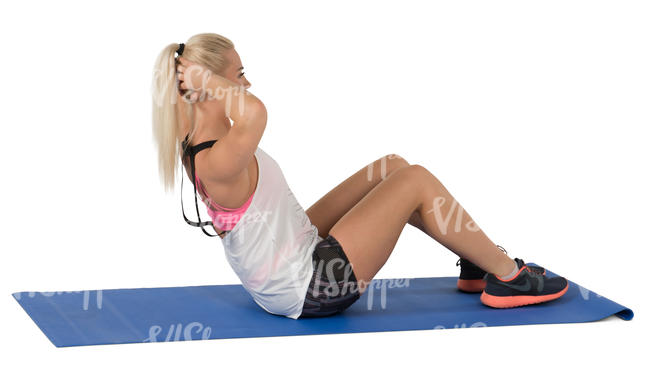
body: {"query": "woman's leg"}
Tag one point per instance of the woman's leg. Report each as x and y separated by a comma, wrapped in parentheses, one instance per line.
(369, 231)
(333, 205)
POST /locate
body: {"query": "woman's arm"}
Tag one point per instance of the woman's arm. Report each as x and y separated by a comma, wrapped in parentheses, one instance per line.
(232, 153)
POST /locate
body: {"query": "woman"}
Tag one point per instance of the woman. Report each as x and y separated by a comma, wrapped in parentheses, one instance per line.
(317, 262)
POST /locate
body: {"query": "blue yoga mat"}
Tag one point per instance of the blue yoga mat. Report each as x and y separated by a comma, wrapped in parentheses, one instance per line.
(227, 311)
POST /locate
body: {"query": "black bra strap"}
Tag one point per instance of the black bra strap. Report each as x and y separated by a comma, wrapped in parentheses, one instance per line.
(192, 151)
(201, 146)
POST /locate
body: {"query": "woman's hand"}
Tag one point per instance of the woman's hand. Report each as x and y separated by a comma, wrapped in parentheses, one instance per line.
(198, 83)
(192, 79)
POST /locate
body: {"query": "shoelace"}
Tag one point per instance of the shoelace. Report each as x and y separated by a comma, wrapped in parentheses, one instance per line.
(501, 247)
(532, 272)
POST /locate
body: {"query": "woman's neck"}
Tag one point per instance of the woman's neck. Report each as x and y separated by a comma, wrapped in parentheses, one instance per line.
(210, 124)
(208, 128)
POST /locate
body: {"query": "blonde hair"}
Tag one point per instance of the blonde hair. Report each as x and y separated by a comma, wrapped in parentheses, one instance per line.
(206, 49)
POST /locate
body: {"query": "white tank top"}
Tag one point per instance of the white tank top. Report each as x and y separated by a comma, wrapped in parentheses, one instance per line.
(270, 248)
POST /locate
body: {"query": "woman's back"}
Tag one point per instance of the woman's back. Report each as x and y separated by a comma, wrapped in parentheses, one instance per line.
(242, 187)
(270, 249)
(270, 240)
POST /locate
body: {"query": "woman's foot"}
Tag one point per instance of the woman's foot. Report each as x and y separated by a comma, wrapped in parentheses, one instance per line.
(472, 277)
(529, 286)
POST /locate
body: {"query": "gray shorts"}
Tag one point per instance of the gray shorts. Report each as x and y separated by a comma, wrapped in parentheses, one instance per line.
(333, 286)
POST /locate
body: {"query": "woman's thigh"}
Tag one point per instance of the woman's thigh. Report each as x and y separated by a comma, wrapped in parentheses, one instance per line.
(369, 231)
(332, 206)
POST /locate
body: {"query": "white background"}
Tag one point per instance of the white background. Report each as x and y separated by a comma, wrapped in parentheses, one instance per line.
(533, 114)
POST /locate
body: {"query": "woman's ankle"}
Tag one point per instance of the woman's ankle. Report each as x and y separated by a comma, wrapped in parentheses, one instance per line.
(507, 269)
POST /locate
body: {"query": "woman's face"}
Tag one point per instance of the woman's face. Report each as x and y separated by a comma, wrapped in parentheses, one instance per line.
(235, 69)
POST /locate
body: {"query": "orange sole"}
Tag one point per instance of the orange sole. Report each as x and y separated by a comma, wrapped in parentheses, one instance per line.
(518, 301)
(471, 285)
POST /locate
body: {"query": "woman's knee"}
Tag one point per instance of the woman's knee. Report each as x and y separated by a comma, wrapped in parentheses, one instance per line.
(387, 165)
(398, 160)
(420, 171)
(419, 175)
(393, 161)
